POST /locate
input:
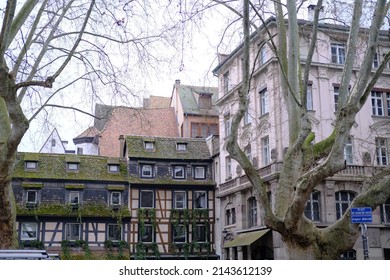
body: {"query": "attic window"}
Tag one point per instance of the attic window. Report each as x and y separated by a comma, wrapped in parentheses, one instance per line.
(181, 146)
(204, 101)
(113, 168)
(72, 166)
(31, 165)
(149, 145)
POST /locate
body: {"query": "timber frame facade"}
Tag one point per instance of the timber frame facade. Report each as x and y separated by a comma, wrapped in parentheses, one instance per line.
(171, 198)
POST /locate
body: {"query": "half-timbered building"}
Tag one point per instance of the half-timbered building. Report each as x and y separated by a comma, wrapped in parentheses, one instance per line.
(171, 198)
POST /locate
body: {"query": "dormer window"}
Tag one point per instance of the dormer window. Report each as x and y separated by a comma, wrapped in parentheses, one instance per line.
(31, 165)
(149, 146)
(113, 168)
(72, 166)
(204, 101)
(115, 198)
(74, 197)
(181, 146)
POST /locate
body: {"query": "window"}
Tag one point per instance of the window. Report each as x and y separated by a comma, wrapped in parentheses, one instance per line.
(199, 233)
(31, 165)
(74, 197)
(147, 171)
(114, 232)
(343, 200)
(385, 212)
(381, 151)
(31, 197)
(29, 231)
(179, 234)
(72, 232)
(205, 101)
(226, 83)
(72, 166)
(80, 151)
(312, 210)
(228, 167)
(377, 104)
(113, 168)
(146, 199)
(309, 98)
(200, 172)
(247, 116)
(115, 198)
(230, 216)
(348, 151)
(200, 200)
(348, 255)
(202, 130)
(179, 200)
(336, 97)
(375, 62)
(179, 172)
(227, 124)
(149, 145)
(263, 102)
(53, 142)
(338, 53)
(265, 151)
(146, 233)
(181, 146)
(252, 212)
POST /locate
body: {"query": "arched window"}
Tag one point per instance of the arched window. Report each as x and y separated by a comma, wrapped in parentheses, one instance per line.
(312, 210)
(230, 214)
(343, 200)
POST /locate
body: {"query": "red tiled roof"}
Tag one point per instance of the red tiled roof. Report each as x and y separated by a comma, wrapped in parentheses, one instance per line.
(89, 132)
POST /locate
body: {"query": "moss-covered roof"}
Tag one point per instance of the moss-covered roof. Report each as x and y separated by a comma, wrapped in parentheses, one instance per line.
(189, 95)
(170, 182)
(166, 148)
(53, 166)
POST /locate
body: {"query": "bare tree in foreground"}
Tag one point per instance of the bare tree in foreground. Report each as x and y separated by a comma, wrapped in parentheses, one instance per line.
(53, 53)
(306, 164)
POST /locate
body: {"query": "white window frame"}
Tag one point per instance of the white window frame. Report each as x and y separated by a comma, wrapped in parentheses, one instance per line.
(29, 231)
(227, 125)
(35, 192)
(149, 232)
(146, 170)
(382, 151)
(72, 196)
(72, 166)
(230, 214)
(348, 151)
(69, 231)
(265, 151)
(31, 165)
(142, 203)
(112, 196)
(375, 62)
(199, 232)
(228, 161)
(377, 103)
(177, 169)
(179, 229)
(200, 172)
(336, 91)
(111, 229)
(342, 205)
(149, 145)
(252, 212)
(199, 198)
(226, 82)
(113, 168)
(338, 53)
(313, 203)
(179, 200)
(182, 147)
(264, 102)
(262, 55)
(385, 212)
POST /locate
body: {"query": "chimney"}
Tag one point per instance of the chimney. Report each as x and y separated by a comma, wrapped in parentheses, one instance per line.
(177, 82)
(311, 10)
(121, 145)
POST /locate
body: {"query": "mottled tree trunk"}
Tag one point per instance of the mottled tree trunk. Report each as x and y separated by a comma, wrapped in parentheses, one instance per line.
(8, 234)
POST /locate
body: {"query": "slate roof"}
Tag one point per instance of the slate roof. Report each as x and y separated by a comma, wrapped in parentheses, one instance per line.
(53, 166)
(189, 96)
(165, 148)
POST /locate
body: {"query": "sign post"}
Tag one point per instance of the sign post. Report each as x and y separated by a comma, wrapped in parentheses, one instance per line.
(362, 215)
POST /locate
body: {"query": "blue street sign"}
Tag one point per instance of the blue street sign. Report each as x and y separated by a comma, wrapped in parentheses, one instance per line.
(361, 215)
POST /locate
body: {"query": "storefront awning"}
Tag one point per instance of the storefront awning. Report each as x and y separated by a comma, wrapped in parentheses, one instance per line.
(245, 239)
